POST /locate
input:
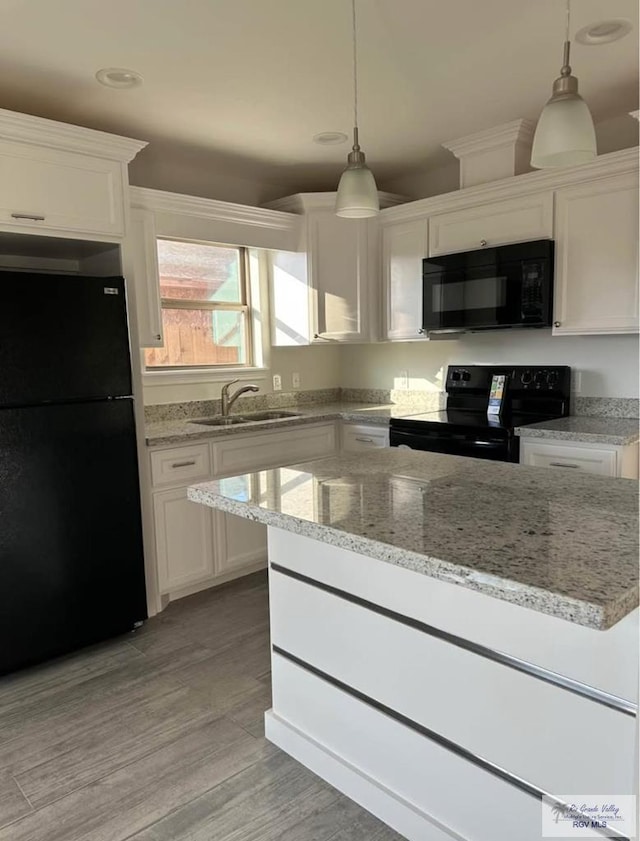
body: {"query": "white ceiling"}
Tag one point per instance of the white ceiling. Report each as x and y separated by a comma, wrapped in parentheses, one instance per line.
(251, 81)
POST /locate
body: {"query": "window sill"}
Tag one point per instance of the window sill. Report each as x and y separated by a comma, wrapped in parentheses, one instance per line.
(201, 375)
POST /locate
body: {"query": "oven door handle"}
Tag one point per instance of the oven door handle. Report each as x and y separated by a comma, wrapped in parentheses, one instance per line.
(492, 444)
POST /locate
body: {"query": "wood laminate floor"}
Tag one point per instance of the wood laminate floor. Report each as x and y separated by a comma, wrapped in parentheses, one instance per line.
(158, 736)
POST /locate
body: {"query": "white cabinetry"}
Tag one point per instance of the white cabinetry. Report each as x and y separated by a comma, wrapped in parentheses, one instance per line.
(141, 261)
(343, 270)
(596, 280)
(583, 457)
(404, 246)
(61, 179)
(359, 437)
(486, 224)
(196, 546)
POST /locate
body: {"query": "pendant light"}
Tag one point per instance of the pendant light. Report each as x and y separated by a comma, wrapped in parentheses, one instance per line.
(565, 135)
(357, 195)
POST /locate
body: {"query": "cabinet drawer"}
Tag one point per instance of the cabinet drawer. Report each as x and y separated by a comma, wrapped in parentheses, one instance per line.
(270, 449)
(563, 457)
(180, 465)
(48, 188)
(358, 438)
(498, 223)
(510, 718)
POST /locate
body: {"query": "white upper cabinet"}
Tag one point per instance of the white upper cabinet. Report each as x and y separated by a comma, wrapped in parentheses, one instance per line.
(404, 246)
(140, 254)
(342, 272)
(596, 279)
(520, 219)
(61, 179)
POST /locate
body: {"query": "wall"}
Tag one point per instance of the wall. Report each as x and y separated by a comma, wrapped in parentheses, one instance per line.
(318, 366)
(608, 364)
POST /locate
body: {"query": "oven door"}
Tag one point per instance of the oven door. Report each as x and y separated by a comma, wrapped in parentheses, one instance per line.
(459, 444)
(489, 296)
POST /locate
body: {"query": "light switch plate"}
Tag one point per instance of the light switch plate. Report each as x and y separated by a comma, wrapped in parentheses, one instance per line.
(277, 382)
(295, 379)
(404, 379)
(576, 382)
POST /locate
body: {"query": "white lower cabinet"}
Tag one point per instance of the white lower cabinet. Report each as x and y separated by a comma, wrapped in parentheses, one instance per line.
(359, 437)
(184, 540)
(197, 547)
(583, 457)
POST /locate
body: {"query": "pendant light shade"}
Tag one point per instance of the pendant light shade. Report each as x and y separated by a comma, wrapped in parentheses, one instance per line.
(357, 195)
(565, 135)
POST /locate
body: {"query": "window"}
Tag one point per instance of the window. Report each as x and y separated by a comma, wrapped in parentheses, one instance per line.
(204, 292)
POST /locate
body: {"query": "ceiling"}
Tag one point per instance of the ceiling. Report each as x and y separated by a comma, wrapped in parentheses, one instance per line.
(247, 83)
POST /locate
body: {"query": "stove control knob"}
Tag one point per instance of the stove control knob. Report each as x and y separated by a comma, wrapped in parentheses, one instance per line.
(455, 376)
(552, 379)
(525, 377)
(466, 376)
(540, 377)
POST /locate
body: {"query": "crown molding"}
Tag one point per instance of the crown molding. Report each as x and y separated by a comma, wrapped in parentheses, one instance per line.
(25, 128)
(613, 163)
(507, 134)
(146, 198)
(304, 202)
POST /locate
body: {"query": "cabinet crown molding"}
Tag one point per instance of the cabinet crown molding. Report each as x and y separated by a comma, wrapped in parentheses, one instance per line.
(613, 163)
(304, 202)
(516, 131)
(145, 198)
(25, 128)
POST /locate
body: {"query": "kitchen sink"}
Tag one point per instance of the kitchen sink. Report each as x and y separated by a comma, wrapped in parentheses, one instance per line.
(232, 420)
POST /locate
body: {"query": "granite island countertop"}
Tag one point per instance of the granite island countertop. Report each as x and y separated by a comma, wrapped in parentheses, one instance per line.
(595, 430)
(177, 431)
(563, 545)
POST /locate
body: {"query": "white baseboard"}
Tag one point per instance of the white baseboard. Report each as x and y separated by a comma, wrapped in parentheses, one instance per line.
(385, 804)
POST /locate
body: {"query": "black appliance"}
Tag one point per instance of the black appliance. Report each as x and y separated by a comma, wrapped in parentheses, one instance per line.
(533, 394)
(489, 289)
(71, 560)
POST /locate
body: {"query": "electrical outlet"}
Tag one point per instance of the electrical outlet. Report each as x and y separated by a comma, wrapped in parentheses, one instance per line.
(277, 382)
(404, 379)
(576, 382)
(295, 379)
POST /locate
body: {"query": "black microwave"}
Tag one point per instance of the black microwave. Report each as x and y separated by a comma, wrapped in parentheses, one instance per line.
(489, 289)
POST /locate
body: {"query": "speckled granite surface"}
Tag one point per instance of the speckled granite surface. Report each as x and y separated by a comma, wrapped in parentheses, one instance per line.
(596, 430)
(162, 433)
(562, 545)
(607, 407)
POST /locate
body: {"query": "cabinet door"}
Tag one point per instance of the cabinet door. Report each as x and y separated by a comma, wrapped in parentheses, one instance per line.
(570, 458)
(404, 246)
(496, 223)
(184, 540)
(46, 189)
(239, 542)
(141, 258)
(596, 279)
(341, 276)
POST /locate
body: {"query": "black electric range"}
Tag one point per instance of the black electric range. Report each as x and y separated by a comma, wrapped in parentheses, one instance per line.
(533, 394)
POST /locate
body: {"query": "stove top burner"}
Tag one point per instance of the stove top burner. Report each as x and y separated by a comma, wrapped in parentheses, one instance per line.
(471, 419)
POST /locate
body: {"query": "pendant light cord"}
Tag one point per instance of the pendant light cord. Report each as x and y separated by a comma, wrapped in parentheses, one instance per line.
(566, 67)
(355, 76)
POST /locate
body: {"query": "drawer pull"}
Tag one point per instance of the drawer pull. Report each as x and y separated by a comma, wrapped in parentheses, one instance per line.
(183, 464)
(33, 217)
(365, 440)
(560, 464)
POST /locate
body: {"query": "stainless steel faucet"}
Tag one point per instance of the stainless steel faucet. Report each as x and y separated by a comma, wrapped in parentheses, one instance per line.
(228, 401)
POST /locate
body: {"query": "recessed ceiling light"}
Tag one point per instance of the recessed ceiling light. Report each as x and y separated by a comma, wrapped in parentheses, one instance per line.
(330, 138)
(604, 32)
(118, 77)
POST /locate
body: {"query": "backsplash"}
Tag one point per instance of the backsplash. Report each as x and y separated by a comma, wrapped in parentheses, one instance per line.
(606, 407)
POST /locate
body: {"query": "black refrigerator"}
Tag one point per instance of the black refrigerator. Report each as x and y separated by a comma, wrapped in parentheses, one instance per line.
(71, 560)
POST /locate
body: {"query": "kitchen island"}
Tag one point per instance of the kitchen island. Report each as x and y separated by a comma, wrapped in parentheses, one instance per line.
(452, 639)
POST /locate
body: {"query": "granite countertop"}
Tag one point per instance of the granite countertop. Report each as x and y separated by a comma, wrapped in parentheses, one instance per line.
(562, 545)
(594, 430)
(159, 433)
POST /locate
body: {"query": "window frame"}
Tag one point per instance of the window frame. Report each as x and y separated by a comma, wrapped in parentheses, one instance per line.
(245, 307)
